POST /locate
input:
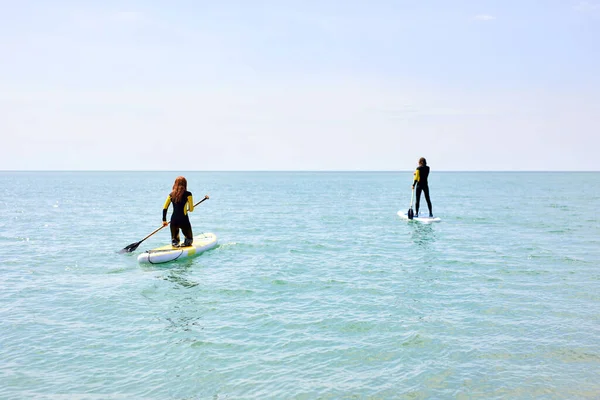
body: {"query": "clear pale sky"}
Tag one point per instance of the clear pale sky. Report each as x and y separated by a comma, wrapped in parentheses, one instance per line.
(299, 85)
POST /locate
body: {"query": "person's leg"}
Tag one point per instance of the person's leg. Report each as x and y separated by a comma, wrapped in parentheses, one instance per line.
(426, 192)
(189, 235)
(174, 234)
(418, 201)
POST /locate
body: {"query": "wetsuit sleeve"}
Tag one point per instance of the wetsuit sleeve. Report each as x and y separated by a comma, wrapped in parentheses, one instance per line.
(417, 177)
(166, 206)
(190, 203)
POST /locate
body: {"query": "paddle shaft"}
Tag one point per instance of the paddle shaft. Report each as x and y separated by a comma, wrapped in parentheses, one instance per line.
(195, 205)
(135, 245)
(410, 212)
(151, 234)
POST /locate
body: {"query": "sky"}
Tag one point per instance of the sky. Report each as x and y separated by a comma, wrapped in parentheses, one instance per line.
(504, 85)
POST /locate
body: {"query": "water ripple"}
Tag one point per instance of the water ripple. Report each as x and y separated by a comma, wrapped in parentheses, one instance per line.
(335, 298)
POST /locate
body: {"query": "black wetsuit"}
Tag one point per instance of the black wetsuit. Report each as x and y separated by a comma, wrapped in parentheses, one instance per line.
(421, 175)
(179, 218)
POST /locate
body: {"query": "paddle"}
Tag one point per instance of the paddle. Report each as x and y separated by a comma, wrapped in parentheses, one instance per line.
(133, 246)
(410, 212)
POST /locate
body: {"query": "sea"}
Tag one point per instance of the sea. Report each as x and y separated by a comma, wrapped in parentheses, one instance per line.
(317, 289)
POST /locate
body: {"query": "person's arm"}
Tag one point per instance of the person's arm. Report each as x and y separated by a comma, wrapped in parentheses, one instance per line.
(190, 203)
(165, 208)
(417, 178)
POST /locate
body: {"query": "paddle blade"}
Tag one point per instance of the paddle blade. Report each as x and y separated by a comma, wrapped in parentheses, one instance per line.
(131, 248)
(410, 213)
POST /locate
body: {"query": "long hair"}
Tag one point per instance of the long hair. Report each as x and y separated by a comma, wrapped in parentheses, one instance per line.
(423, 161)
(179, 189)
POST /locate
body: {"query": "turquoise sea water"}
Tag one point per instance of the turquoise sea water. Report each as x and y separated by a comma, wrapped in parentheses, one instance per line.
(317, 289)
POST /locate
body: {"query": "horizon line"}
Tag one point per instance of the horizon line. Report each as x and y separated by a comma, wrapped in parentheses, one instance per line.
(284, 170)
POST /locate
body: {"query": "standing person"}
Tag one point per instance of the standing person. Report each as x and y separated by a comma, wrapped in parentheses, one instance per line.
(421, 175)
(183, 203)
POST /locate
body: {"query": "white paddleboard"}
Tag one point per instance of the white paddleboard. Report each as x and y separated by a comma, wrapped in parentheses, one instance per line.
(423, 219)
(203, 242)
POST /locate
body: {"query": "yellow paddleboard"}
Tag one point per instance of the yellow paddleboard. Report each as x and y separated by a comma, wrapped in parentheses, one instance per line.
(202, 242)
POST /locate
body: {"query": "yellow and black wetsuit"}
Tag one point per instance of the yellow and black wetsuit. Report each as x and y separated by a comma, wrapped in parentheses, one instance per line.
(180, 219)
(421, 175)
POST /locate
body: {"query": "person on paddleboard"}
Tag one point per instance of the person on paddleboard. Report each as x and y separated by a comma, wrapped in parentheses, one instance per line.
(420, 180)
(183, 203)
